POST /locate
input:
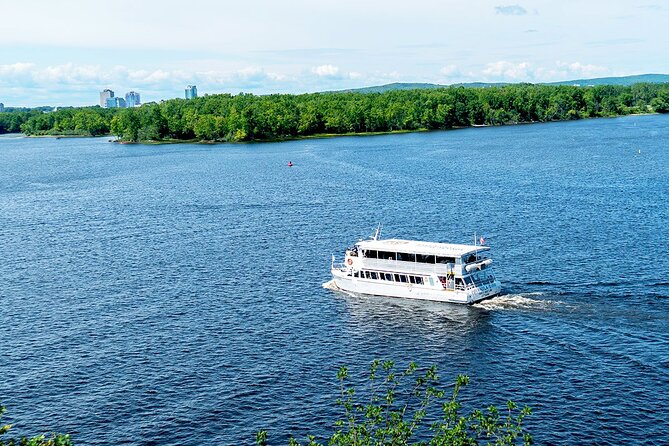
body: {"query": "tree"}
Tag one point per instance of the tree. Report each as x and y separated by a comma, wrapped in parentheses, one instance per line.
(126, 125)
(400, 402)
(661, 103)
(206, 128)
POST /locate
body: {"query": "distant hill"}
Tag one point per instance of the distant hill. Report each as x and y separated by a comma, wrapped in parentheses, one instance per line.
(394, 86)
(418, 86)
(622, 80)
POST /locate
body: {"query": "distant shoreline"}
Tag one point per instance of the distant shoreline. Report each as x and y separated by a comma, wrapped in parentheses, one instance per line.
(283, 117)
(171, 141)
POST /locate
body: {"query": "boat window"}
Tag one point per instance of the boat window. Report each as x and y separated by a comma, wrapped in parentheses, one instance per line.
(406, 257)
(471, 258)
(356, 274)
(425, 258)
(366, 274)
(445, 260)
(397, 277)
(431, 282)
(468, 280)
(389, 277)
(412, 279)
(419, 280)
(373, 274)
(403, 278)
(370, 254)
(386, 255)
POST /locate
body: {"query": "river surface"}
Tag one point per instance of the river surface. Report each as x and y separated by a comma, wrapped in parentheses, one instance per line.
(168, 295)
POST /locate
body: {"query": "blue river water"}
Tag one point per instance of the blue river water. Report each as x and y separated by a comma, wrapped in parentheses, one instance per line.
(173, 294)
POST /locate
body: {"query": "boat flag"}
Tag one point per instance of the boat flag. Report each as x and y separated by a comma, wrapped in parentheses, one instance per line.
(482, 241)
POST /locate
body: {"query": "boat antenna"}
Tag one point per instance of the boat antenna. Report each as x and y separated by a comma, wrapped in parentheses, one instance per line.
(377, 233)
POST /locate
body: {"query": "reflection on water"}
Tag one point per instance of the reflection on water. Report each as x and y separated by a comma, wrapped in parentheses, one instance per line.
(393, 314)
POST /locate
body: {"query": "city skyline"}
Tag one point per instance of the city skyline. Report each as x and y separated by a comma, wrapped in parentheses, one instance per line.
(302, 47)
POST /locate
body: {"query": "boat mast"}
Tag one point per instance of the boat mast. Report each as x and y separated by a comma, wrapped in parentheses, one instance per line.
(377, 233)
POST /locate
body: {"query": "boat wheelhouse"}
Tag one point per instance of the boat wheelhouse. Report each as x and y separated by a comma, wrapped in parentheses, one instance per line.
(441, 272)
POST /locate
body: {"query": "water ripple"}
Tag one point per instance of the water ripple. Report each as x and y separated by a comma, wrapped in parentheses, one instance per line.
(179, 296)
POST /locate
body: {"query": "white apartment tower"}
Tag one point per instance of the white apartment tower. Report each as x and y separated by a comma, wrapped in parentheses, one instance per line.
(104, 95)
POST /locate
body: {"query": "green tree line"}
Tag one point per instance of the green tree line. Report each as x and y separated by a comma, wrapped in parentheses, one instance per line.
(246, 117)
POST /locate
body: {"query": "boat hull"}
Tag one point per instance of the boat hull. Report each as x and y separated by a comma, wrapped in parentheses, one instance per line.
(345, 282)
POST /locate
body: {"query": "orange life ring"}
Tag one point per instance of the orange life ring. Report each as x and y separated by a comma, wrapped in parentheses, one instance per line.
(350, 261)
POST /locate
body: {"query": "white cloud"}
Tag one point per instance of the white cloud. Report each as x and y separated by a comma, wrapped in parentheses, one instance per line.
(450, 71)
(510, 10)
(326, 71)
(577, 69)
(15, 68)
(509, 71)
(69, 74)
(505, 71)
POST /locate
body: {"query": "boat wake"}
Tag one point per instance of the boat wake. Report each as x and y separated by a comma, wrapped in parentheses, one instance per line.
(332, 286)
(516, 302)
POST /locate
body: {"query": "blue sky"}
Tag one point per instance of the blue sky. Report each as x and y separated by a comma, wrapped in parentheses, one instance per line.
(64, 52)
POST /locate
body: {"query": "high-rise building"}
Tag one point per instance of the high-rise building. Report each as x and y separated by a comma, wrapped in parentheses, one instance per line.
(115, 103)
(104, 96)
(2, 107)
(191, 92)
(132, 99)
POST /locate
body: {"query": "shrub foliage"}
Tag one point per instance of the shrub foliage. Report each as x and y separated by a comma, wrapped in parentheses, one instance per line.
(408, 407)
(40, 440)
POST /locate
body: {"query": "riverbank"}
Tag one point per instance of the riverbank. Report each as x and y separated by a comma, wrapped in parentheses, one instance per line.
(284, 117)
(169, 141)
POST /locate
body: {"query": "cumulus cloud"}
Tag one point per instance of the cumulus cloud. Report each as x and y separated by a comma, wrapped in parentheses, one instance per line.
(510, 10)
(326, 71)
(505, 71)
(244, 78)
(70, 74)
(97, 76)
(450, 71)
(15, 68)
(509, 70)
(581, 70)
(332, 72)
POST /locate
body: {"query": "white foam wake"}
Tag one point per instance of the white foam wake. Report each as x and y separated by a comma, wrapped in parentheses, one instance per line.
(515, 302)
(330, 285)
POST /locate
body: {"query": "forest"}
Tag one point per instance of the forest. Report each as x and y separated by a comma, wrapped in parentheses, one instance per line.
(247, 117)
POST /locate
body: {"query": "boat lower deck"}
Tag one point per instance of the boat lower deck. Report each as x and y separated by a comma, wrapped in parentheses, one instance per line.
(426, 290)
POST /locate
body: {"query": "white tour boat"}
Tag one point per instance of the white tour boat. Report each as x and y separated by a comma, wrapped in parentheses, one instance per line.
(441, 272)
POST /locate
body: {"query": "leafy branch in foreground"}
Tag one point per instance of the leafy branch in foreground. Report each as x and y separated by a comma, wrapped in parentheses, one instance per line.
(407, 407)
(40, 440)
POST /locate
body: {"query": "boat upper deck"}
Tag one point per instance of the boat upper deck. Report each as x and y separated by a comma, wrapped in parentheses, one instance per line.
(418, 247)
